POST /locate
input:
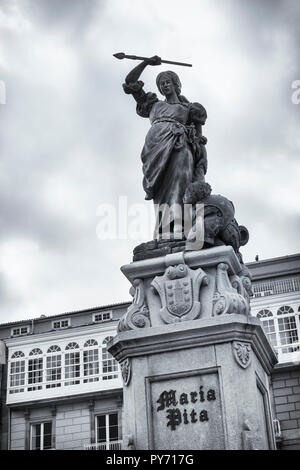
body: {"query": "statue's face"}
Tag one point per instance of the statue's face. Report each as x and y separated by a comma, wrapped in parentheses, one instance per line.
(166, 86)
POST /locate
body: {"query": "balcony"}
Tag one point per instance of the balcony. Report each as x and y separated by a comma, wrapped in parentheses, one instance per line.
(288, 353)
(113, 445)
(283, 286)
(65, 387)
(42, 367)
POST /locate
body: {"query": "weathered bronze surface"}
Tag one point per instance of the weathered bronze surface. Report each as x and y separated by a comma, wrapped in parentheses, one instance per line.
(174, 162)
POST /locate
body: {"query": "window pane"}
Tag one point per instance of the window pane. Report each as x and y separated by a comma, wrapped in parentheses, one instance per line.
(109, 365)
(72, 367)
(101, 429)
(53, 371)
(37, 430)
(36, 437)
(91, 364)
(107, 429)
(269, 329)
(113, 427)
(17, 374)
(288, 333)
(113, 419)
(47, 436)
(35, 372)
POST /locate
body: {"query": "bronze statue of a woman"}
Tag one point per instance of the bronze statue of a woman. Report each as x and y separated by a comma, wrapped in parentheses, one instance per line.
(174, 166)
(174, 155)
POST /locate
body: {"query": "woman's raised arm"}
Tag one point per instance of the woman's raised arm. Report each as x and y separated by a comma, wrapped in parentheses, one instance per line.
(135, 73)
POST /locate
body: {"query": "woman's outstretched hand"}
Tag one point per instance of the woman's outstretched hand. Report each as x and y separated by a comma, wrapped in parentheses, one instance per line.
(155, 60)
(135, 74)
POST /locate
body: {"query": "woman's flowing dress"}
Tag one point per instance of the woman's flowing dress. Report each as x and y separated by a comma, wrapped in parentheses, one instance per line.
(172, 156)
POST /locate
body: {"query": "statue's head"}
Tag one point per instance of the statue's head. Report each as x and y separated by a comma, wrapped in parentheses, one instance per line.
(168, 75)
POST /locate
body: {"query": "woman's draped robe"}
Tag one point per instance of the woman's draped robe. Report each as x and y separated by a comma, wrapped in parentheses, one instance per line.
(172, 158)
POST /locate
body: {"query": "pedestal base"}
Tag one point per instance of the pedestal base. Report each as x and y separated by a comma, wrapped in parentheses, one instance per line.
(195, 364)
(198, 385)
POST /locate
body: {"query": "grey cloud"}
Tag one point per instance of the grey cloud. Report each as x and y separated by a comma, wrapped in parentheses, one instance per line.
(68, 16)
(9, 298)
(260, 22)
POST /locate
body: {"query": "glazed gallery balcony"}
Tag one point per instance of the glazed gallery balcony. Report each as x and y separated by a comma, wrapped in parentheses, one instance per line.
(60, 365)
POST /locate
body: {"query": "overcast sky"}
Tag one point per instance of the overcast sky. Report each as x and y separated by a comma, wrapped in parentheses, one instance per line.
(70, 139)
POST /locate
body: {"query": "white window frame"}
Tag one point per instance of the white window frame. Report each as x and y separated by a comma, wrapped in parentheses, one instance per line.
(107, 313)
(36, 372)
(107, 441)
(42, 434)
(108, 360)
(19, 360)
(91, 348)
(266, 319)
(55, 353)
(59, 324)
(13, 334)
(283, 356)
(71, 353)
(295, 344)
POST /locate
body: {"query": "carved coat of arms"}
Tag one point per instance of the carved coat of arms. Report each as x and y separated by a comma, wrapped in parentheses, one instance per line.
(126, 370)
(179, 290)
(242, 353)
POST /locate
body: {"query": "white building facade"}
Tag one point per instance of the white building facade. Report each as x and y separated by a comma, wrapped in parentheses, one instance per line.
(61, 389)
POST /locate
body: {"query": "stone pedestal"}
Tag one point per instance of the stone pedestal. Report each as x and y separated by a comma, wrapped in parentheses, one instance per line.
(195, 364)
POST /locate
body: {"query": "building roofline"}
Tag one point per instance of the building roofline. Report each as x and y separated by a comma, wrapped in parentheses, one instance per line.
(274, 260)
(84, 310)
(288, 265)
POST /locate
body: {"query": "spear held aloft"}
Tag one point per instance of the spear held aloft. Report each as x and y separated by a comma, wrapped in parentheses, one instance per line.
(122, 55)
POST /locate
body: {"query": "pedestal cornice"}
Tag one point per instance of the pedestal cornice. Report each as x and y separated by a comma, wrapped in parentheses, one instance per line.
(205, 332)
(204, 258)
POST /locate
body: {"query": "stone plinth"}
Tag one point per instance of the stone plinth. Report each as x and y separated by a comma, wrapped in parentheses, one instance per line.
(195, 370)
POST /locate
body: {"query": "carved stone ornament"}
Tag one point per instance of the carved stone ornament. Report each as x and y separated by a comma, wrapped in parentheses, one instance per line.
(179, 289)
(126, 371)
(242, 353)
(137, 315)
(227, 298)
(251, 436)
(243, 286)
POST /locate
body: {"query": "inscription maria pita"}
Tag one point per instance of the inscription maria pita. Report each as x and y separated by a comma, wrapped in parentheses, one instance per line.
(178, 409)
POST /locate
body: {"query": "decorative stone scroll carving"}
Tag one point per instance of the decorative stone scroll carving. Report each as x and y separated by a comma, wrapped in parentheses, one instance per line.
(137, 315)
(242, 353)
(227, 298)
(126, 371)
(179, 289)
(243, 286)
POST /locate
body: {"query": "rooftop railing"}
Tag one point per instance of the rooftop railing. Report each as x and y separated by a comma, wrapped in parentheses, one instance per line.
(283, 286)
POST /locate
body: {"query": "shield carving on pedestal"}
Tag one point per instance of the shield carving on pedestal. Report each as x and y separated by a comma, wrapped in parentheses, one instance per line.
(179, 296)
(126, 370)
(179, 289)
(242, 353)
